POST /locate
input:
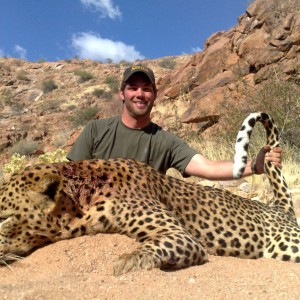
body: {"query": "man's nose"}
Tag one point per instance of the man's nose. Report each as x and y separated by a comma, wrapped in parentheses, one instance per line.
(140, 92)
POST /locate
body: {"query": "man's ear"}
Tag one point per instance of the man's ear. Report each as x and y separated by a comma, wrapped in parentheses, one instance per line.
(121, 95)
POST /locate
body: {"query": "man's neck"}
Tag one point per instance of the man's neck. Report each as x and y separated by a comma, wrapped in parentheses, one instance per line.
(135, 123)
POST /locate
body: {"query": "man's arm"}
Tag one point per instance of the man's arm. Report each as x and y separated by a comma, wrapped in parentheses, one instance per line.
(222, 170)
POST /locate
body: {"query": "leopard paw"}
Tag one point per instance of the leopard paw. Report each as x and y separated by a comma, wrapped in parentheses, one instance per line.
(134, 262)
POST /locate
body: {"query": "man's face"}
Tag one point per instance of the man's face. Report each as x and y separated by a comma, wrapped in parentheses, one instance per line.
(138, 95)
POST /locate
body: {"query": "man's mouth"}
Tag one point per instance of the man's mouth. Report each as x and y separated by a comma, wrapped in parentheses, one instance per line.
(140, 104)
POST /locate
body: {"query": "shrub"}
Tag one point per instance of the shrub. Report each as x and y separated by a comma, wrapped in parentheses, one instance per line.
(24, 147)
(107, 95)
(98, 92)
(168, 63)
(113, 83)
(16, 163)
(6, 97)
(59, 155)
(83, 75)
(48, 86)
(22, 75)
(281, 99)
(101, 93)
(52, 105)
(61, 139)
(71, 107)
(18, 62)
(125, 63)
(83, 116)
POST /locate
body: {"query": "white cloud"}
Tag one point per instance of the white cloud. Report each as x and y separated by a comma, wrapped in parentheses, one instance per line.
(105, 7)
(20, 51)
(2, 53)
(91, 46)
(193, 50)
(196, 49)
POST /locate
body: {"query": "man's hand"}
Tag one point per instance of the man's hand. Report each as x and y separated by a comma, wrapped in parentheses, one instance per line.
(272, 155)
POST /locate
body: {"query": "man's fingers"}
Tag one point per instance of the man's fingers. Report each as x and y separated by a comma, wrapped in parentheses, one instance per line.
(274, 156)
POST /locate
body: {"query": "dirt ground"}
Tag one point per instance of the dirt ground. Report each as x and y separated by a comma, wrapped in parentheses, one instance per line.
(81, 268)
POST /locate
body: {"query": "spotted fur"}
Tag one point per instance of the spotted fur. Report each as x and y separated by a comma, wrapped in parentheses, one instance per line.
(176, 223)
(281, 191)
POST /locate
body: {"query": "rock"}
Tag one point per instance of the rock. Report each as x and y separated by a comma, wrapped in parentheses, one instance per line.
(264, 44)
(245, 187)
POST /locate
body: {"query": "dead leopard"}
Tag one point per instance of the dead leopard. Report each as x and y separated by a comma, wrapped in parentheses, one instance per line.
(176, 223)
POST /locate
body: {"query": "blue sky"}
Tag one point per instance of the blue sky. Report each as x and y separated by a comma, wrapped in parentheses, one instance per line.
(116, 29)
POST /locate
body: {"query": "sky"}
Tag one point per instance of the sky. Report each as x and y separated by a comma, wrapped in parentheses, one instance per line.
(115, 30)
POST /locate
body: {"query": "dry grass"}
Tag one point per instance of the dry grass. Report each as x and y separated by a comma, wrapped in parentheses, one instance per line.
(259, 186)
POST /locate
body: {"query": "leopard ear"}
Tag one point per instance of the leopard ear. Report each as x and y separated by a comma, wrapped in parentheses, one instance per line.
(50, 185)
(46, 192)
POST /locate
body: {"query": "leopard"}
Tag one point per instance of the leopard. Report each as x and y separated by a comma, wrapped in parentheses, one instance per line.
(176, 223)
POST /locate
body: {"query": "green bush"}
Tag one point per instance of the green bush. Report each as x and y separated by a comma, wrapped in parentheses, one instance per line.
(125, 63)
(59, 155)
(101, 93)
(24, 147)
(22, 75)
(83, 116)
(48, 86)
(83, 75)
(168, 63)
(16, 163)
(107, 95)
(281, 99)
(52, 104)
(71, 107)
(113, 83)
(98, 92)
(7, 97)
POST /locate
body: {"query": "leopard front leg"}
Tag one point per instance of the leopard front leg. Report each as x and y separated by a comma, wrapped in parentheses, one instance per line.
(172, 248)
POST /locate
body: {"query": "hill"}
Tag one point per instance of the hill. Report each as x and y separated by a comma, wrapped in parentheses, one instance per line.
(203, 97)
(253, 66)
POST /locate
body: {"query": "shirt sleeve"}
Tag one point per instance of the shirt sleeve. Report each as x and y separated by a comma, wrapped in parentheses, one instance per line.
(83, 146)
(181, 154)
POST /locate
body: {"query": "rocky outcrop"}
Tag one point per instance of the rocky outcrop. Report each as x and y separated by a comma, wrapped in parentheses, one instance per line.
(265, 43)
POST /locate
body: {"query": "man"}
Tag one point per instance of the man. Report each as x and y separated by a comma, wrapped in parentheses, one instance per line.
(133, 135)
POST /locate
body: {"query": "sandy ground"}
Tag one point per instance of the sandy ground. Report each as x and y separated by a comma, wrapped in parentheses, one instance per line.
(81, 268)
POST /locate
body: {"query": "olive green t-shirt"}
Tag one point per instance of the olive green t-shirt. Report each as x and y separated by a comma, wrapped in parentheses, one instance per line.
(110, 138)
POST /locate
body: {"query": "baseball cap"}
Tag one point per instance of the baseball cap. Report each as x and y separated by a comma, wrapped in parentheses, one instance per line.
(138, 69)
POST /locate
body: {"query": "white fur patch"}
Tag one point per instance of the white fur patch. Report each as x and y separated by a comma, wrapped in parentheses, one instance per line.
(242, 143)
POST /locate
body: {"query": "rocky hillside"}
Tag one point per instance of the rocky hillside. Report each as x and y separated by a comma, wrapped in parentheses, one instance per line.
(43, 105)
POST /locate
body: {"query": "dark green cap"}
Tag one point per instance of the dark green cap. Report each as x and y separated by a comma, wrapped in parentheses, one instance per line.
(138, 69)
